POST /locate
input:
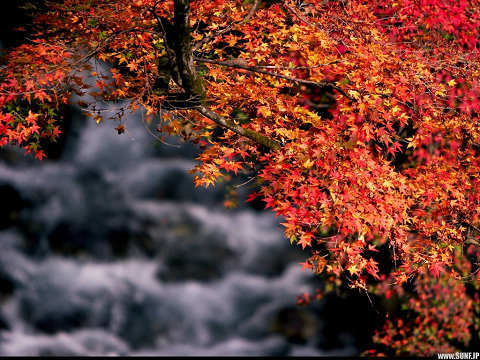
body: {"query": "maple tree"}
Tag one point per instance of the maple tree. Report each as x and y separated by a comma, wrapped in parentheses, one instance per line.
(358, 119)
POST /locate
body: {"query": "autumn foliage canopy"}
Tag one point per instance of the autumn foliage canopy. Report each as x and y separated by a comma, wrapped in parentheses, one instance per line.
(358, 119)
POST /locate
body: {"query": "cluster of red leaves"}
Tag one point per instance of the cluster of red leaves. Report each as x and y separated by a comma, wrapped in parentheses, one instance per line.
(436, 314)
(424, 20)
(375, 104)
(33, 86)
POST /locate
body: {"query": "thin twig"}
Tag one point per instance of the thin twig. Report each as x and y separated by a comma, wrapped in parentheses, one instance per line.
(245, 183)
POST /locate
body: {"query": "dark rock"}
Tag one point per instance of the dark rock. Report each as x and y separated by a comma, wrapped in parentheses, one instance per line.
(119, 240)
(4, 325)
(195, 255)
(51, 320)
(12, 204)
(279, 258)
(174, 185)
(7, 285)
(66, 240)
(349, 319)
(141, 326)
(297, 325)
(51, 308)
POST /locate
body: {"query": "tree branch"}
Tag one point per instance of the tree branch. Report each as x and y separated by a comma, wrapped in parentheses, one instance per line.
(192, 83)
(229, 124)
(259, 70)
(253, 9)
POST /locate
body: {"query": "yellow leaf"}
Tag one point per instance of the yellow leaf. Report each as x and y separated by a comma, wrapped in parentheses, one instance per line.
(353, 269)
(354, 94)
(411, 144)
(395, 109)
(308, 164)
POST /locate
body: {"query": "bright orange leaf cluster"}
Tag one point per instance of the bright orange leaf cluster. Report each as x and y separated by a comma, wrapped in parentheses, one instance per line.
(370, 110)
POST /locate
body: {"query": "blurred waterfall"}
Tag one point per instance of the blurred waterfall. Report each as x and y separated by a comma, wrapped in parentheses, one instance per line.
(111, 250)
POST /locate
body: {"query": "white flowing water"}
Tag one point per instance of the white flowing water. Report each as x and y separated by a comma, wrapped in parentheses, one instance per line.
(110, 250)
